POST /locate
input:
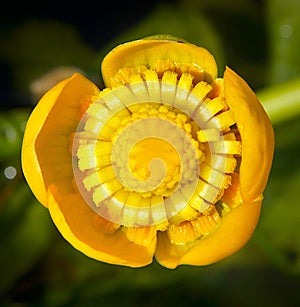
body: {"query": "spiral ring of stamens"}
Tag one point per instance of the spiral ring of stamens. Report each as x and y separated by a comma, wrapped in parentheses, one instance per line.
(134, 116)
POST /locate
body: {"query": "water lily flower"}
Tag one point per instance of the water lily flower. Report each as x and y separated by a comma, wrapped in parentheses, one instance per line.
(168, 161)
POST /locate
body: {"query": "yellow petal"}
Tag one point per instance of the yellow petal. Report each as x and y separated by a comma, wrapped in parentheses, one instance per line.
(49, 129)
(148, 52)
(76, 222)
(256, 133)
(233, 232)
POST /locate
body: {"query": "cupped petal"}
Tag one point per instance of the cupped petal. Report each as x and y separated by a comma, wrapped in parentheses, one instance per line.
(46, 156)
(256, 133)
(148, 51)
(233, 233)
(75, 220)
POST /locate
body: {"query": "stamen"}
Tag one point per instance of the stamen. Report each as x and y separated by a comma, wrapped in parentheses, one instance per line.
(208, 135)
(225, 120)
(206, 224)
(106, 190)
(143, 214)
(213, 177)
(186, 81)
(201, 89)
(182, 234)
(227, 147)
(215, 105)
(143, 236)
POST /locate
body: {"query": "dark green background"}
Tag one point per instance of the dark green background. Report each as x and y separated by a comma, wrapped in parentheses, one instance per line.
(260, 40)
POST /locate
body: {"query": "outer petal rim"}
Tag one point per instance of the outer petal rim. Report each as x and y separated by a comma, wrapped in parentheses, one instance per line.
(256, 132)
(147, 51)
(123, 252)
(234, 231)
(31, 162)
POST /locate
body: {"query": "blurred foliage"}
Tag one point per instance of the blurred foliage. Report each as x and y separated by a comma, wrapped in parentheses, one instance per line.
(35, 47)
(259, 39)
(283, 27)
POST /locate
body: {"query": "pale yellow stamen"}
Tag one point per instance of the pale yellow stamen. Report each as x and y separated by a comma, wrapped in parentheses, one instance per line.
(186, 81)
(182, 234)
(144, 236)
(106, 190)
(208, 135)
(205, 224)
(201, 90)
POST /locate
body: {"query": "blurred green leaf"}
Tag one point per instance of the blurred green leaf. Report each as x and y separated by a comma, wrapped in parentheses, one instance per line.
(35, 47)
(25, 236)
(278, 235)
(284, 39)
(12, 124)
(241, 28)
(179, 21)
(12, 210)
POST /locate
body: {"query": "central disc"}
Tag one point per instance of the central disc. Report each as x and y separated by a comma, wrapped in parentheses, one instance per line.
(154, 157)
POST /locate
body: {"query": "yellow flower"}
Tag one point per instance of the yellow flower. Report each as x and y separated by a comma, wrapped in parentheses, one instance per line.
(168, 161)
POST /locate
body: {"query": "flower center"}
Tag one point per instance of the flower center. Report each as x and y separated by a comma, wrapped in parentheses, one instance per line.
(155, 148)
(143, 161)
(157, 151)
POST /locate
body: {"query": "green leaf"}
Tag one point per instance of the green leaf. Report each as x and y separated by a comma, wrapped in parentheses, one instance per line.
(284, 39)
(25, 236)
(36, 47)
(12, 124)
(241, 27)
(278, 234)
